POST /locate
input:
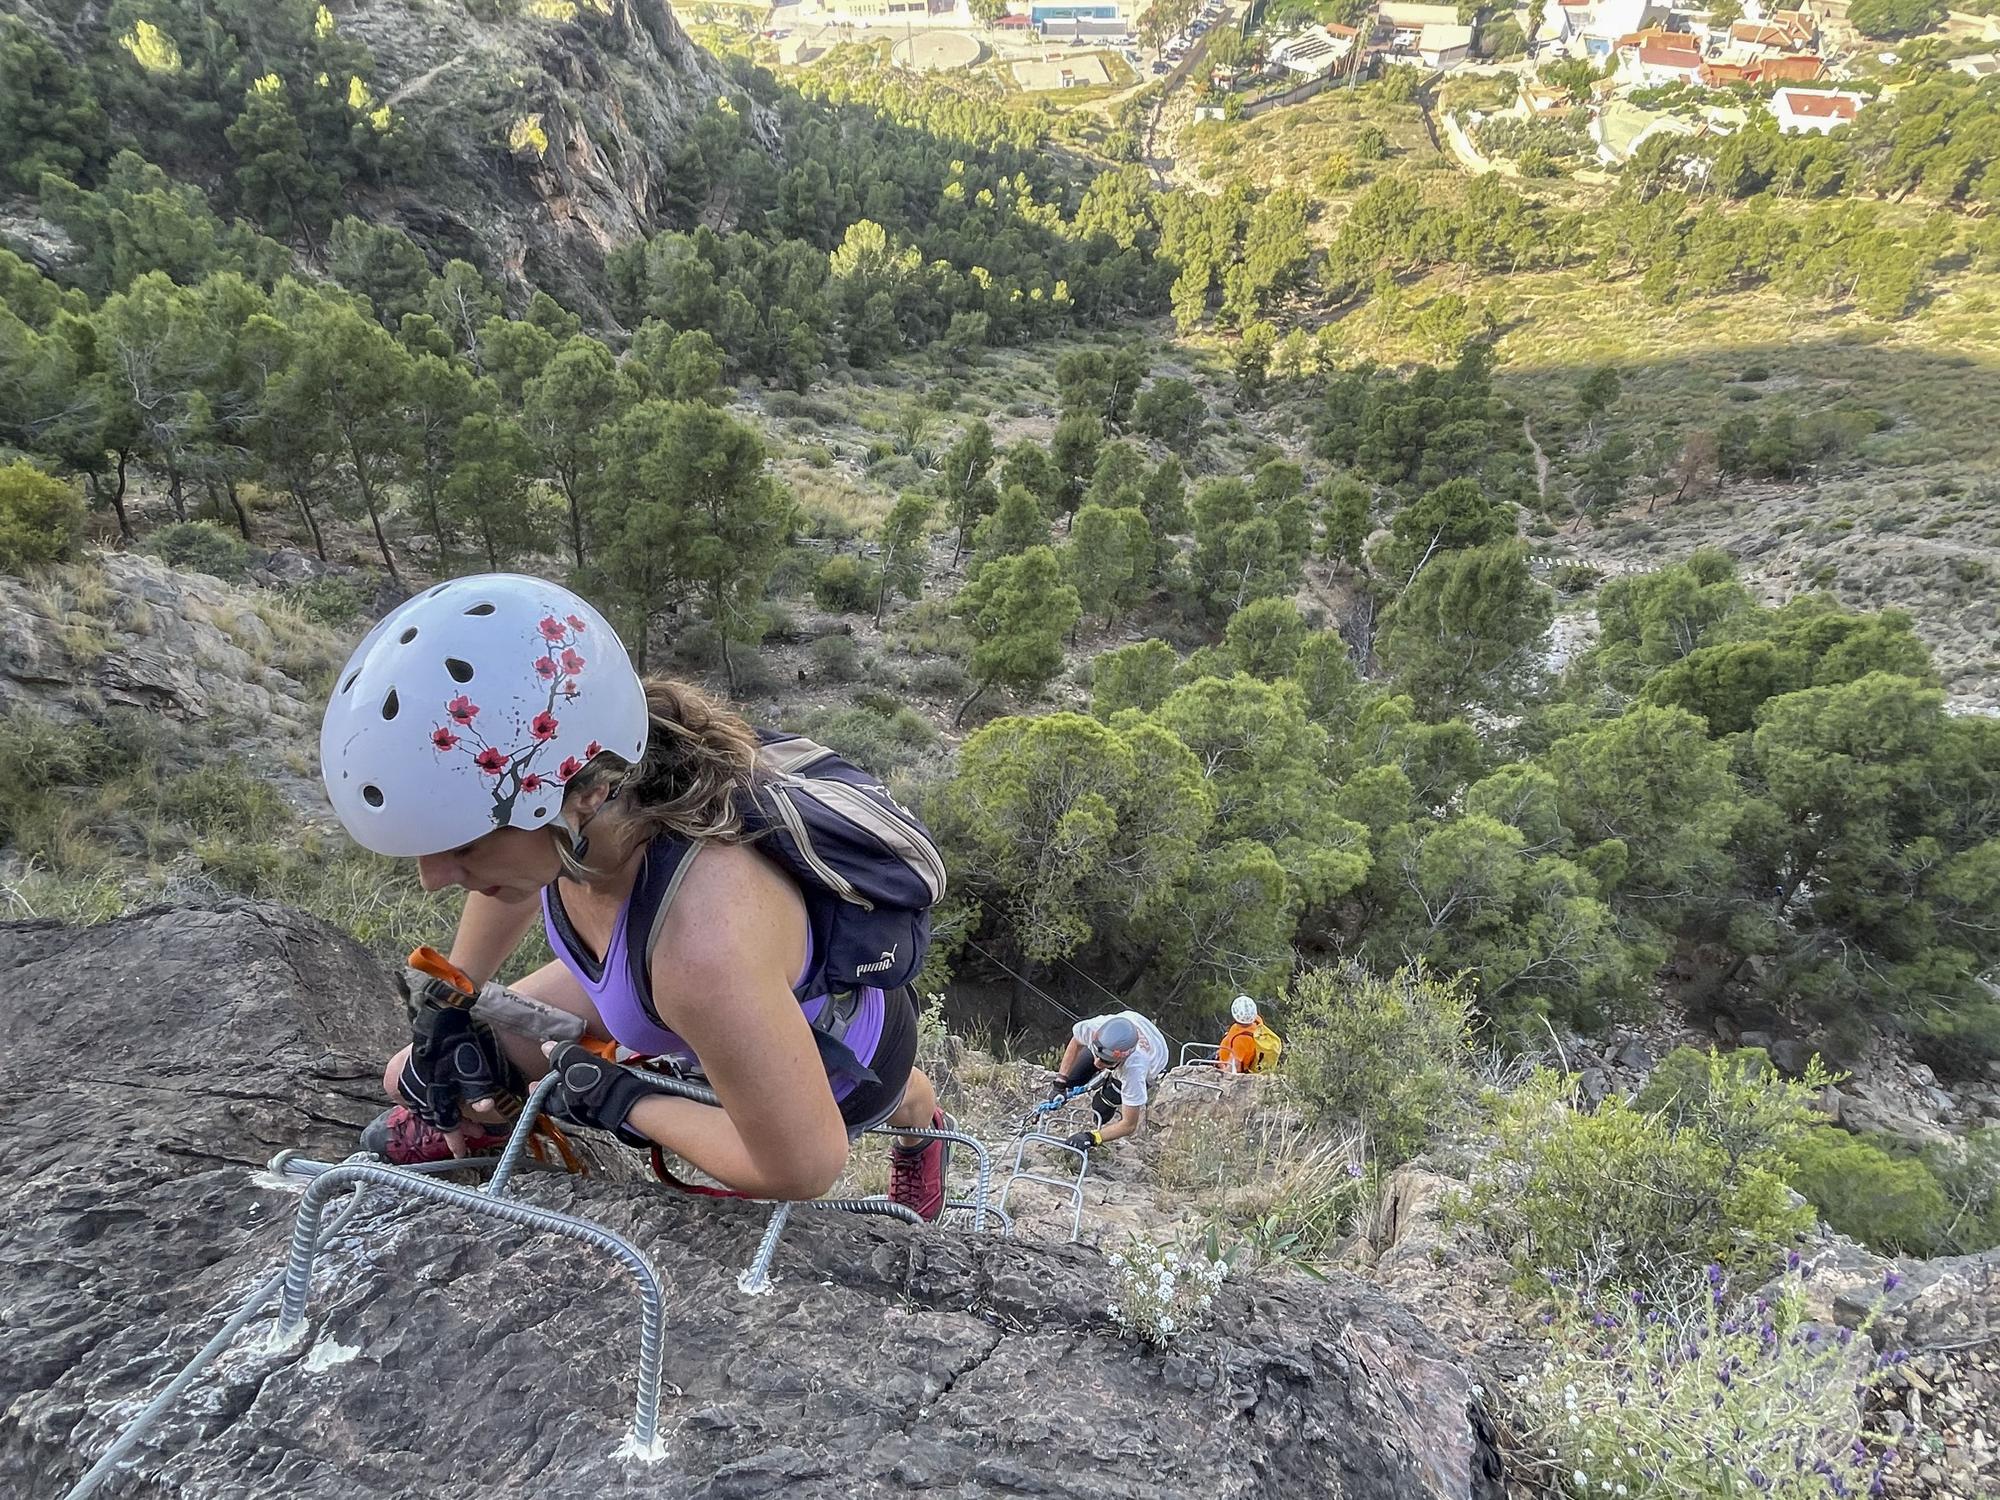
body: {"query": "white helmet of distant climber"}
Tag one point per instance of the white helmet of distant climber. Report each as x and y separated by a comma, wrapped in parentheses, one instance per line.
(469, 707)
(1243, 1010)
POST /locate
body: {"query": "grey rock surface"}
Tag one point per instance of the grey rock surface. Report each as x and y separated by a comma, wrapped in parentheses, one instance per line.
(554, 138)
(137, 634)
(156, 1060)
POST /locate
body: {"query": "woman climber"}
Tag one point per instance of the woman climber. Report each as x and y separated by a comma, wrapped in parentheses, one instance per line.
(494, 729)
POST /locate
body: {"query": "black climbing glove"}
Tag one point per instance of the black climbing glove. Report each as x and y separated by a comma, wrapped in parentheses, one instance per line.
(590, 1091)
(454, 1059)
(1083, 1140)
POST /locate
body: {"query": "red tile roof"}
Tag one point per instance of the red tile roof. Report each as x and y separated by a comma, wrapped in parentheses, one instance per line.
(1655, 56)
(1818, 106)
(1721, 75)
(1662, 39)
(1757, 35)
(1799, 68)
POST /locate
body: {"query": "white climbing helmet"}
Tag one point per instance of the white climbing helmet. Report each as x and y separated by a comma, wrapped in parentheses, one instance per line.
(468, 707)
(1243, 1010)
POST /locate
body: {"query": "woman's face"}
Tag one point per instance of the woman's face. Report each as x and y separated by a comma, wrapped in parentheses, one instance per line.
(508, 864)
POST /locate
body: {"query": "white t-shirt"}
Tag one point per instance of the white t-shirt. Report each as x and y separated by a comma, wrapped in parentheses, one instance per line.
(1149, 1060)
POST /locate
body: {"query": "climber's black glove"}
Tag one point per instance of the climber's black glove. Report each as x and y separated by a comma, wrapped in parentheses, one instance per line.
(590, 1091)
(1083, 1140)
(454, 1061)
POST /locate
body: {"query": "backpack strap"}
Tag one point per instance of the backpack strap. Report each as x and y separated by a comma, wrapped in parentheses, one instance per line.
(661, 876)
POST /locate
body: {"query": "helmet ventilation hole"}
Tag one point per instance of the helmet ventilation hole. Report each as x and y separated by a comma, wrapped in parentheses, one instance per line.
(480, 609)
(461, 671)
(390, 705)
(541, 812)
(351, 680)
(372, 795)
(407, 636)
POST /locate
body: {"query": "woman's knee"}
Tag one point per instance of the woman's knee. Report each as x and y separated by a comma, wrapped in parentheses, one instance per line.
(392, 1074)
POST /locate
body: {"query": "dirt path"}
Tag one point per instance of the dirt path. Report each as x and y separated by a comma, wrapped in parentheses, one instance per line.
(1541, 458)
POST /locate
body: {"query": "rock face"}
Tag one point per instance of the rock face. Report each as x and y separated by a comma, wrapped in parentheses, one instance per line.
(553, 130)
(137, 634)
(154, 1059)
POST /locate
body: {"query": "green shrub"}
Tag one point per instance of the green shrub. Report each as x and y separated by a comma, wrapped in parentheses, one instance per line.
(1892, 1205)
(40, 518)
(836, 658)
(332, 600)
(845, 585)
(939, 679)
(227, 799)
(1703, 1395)
(38, 754)
(201, 547)
(1575, 578)
(793, 573)
(1959, 1043)
(698, 645)
(784, 404)
(1389, 1055)
(1639, 1193)
(876, 742)
(1968, 1171)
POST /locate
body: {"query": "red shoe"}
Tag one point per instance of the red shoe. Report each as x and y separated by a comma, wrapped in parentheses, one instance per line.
(916, 1173)
(398, 1136)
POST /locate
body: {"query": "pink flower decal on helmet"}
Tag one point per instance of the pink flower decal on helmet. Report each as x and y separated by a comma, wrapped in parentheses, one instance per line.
(576, 624)
(511, 766)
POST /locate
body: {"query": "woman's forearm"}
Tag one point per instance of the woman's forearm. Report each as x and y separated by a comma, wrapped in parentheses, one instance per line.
(488, 931)
(706, 1136)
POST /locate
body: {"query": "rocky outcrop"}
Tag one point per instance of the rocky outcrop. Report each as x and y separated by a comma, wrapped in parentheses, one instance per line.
(156, 1060)
(126, 631)
(552, 132)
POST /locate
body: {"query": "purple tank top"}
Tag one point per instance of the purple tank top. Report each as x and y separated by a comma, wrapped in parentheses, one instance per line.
(611, 988)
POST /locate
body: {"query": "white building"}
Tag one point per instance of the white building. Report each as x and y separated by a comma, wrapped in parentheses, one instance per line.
(1312, 53)
(1593, 27)
(1803, 111)
(1444, 44)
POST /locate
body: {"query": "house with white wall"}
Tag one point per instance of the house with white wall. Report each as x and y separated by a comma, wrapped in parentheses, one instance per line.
(1814, 111)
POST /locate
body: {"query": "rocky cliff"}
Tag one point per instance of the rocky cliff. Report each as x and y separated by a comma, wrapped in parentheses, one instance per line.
(552, 132)
(155, 1061)
(548, 128)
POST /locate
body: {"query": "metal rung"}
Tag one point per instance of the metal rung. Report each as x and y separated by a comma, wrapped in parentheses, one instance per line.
(488, 1202)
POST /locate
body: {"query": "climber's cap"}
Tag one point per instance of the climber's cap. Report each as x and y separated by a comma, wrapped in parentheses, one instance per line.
(1116, 1040)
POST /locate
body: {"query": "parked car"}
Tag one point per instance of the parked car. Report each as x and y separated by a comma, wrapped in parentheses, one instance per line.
(1159, 67)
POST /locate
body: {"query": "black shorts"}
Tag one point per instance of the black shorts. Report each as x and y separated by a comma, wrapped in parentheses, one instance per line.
(1107, 1102)
(895, 1055)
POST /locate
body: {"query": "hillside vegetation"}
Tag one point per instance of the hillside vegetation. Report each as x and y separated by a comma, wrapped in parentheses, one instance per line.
(1472, 615)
